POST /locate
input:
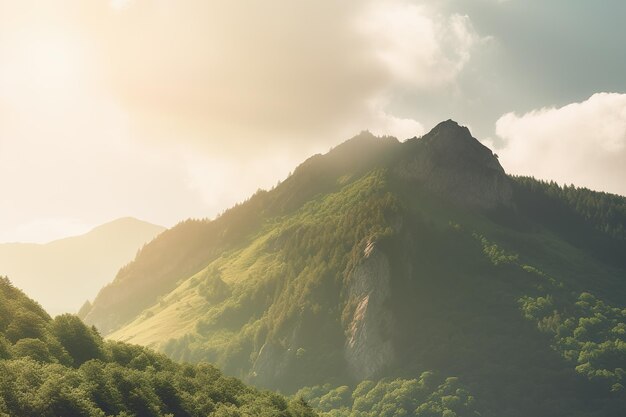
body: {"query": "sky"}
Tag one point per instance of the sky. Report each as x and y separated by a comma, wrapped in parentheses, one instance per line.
(169, 109)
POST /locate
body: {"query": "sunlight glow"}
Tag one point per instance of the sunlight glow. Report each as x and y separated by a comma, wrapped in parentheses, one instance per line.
(42, 68)
(119, 4)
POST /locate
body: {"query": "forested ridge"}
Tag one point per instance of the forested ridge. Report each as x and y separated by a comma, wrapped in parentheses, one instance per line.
(61, 368)
(591, 220)
(605, 211)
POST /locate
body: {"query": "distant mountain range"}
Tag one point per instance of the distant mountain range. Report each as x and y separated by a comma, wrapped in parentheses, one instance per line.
(64, 273)
(408, 278)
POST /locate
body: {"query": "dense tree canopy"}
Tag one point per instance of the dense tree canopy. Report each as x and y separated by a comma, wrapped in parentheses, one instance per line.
(60, 367)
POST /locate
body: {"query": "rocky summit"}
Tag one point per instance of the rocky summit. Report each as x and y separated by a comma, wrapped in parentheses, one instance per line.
(449, 161)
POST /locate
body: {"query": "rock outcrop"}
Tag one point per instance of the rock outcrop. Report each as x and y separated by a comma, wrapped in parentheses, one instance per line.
(272, 363)
(452, 163)
(368, 348)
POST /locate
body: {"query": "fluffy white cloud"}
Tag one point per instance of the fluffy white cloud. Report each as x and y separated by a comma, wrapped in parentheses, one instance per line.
(580, 143)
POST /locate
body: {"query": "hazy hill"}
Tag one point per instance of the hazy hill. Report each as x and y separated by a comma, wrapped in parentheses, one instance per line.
(75, 268)
(415, 278)
(60, 367)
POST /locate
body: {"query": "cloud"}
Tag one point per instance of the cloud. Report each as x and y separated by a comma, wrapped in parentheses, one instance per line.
(581, 143)
(417, 46)
(232, 77)
(238, 74)
(381, 123)
(166, 109)
(74, 161)
(243, 73)
(119, 4)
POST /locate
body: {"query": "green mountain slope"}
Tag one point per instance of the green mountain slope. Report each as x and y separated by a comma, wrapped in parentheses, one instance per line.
(60, 367)
(388, 262)
(83, 263)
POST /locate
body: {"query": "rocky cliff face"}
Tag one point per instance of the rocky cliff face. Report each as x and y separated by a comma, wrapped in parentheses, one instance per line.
(368, 349)
(450, 162)
(272, 363)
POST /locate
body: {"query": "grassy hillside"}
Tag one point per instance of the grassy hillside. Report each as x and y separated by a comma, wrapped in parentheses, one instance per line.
(191, 245)
(83, 263)
(61, 367)
(382, 263)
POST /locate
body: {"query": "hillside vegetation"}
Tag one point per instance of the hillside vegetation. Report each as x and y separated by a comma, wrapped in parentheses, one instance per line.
(60, 367)
(412, 278)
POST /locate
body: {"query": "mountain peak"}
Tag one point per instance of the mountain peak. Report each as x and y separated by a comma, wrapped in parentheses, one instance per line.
(450, 138)
(450, 161)
(128, 223)
(450, 128)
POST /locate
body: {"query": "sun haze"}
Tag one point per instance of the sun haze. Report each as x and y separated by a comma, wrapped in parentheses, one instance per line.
(165, 110)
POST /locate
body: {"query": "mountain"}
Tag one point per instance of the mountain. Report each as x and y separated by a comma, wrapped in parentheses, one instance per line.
(60, 367)
(75, 267)
(396, 278)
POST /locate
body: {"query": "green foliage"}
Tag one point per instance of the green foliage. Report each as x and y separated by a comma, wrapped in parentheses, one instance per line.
(69, 370)
(25, 325)
(5, 348)
(496, 254)
(80, 342)
(212, 288)
(606, 212)
(97, 388)
(427, 396)
(20, 317)
(588, 333)
(32, 348)
(300, 408)
(594, 221)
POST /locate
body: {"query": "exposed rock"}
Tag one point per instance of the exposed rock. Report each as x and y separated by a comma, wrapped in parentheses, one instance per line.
(450, 162)
(368, 347)
(271, 364)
